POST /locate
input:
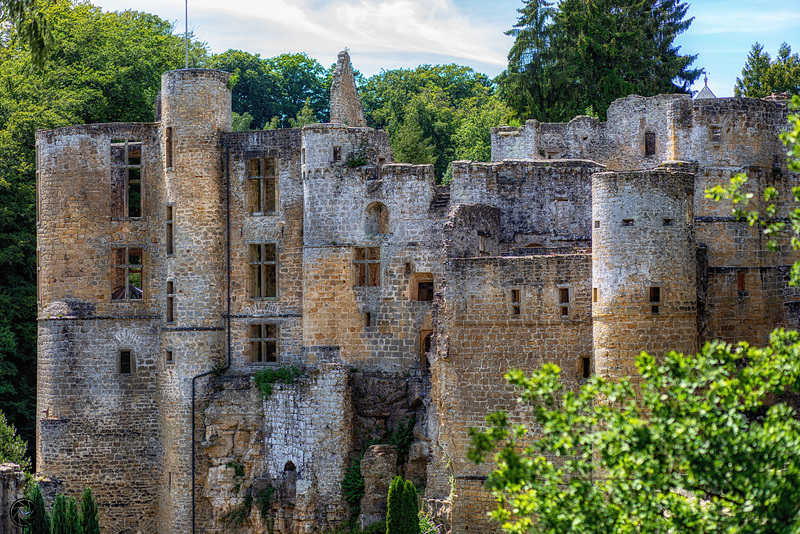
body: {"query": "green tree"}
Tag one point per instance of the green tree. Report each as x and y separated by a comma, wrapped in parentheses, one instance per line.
(89, 520)
(402, 516)
(58, 516)
(41, 519)
(697, 449)
(30, 25)
(12, 446)
(410, 508)
(578, 54)
(241, 123)
(761, 76)
(304, 116)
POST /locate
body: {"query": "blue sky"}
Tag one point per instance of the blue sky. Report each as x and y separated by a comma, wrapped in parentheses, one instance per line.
(388, 34)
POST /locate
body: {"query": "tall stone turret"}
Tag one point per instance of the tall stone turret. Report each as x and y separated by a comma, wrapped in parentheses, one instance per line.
(346, 106)
(196, 110)
(644, 288)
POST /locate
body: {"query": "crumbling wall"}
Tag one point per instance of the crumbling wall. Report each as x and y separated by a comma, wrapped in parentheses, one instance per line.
(346, 107)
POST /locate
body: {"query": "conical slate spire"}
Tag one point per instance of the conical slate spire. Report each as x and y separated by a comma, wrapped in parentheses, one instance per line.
(346, 106)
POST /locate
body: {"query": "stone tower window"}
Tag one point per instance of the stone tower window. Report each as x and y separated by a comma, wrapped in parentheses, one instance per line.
(126, 277)
(337, 154)
(264, 343)
(669, 222)
(654, 294)
(716, 134)
(170, 231)
(426, 343)
(168, 147)
(649, 144)
(125, 362)
(627, 222)
(595, 294)
(377, 219)
(289, 480)
(170, 301)
(263, 271)
(586, 367)
(421, 288)
(367, 266)
(169, 357)
(740, 278)
(126, 178)
(262, 174)
(563, 301)
(516, 302)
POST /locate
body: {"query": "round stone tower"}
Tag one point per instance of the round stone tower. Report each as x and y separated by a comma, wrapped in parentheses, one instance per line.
(196, 110)
(644, 289)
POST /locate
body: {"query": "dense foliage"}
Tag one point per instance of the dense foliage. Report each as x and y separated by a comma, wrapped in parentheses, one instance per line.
(402, 515)
(761, 76)
(575, 56)
(41, 519)
(100, 67)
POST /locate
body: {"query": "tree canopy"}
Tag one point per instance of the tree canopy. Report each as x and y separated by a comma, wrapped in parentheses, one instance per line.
(579, 55)
(761, 76)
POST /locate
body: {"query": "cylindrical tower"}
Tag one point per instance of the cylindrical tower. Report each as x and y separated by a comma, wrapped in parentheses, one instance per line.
(196, 109)
(644, 289)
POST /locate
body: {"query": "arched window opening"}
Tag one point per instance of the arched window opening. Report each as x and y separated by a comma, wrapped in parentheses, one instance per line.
(290, 480)
(377, 220)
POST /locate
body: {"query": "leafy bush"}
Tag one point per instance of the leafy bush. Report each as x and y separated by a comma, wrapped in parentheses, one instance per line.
(266, 377)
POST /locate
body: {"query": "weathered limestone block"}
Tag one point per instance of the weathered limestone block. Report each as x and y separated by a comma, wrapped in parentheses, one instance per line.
(12, 486)
(378, 467)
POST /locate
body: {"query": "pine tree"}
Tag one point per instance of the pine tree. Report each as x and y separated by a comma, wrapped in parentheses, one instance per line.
(89, 520)
(761, 76)
(394, 512)
(73, 520)
(59, 516)
(411, 508)
(41, 519)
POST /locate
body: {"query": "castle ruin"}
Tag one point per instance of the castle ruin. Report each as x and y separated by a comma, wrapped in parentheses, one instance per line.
(177, 258)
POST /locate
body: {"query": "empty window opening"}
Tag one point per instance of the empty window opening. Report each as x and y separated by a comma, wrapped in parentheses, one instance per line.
(483, 245)
(377, 219)
(654, 309)
(169, 357)
(655, 294)
(290, 480)
(126, 178)
(408, 269)
(263, 271)
(516, 306)
(169, 480)
(563, 300)
(264, 343)
(125, 362)
(426, 343)
(126, 278)
(170, 232)
(669, 222)
(168, 148)
(595, 294)
(367, 266)
(262, 175)
(586, 367)
(368, 319)
(425, 291)
(597, 224)
(421, 287)
(649, 144)
(381, 162)
(337, 154)
(170, 301)
(716, 134)
(740, 277)
(627, 222)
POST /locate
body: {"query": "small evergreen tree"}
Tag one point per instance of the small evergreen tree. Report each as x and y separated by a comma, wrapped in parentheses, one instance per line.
(41, 519)
(411, 508)
(59, 516)
(89, 520)
(73, 520)
(394, 512)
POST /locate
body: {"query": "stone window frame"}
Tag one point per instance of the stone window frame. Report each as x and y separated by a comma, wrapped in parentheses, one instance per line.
(515, 301)
(562, 304)
(127, 267)
(121, 361)
(655, 298)
(169, 228)
(169, 356)
(260, 339)
(169, 147)
(366, 266)
(258, 267)
(421, 278)
(169, 316)
(650, 143)
(129, 178)
(376, 219)
(262, 185)
(715, 134)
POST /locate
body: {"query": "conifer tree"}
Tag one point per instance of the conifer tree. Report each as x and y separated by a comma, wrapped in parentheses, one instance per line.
(411, 508)
(73, 520)
(89, 520)
(394, 512)
(41, 519)
(59, 516)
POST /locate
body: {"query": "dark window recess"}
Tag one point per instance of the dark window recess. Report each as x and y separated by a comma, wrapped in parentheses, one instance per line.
(655, 294)
(586, 367)
(516, 306)
(653, 309)
(169, 357)
(597, 224)
(649, 144)
(367, 266)
(168, 148)
(716, 134)
(170, 232)
(170, 302)
(368, 319)
(126, 276)
(126, 178)
(337, 153)
(563, 295)
(264, 343)
(669, 222)
(262, 175)
(740, 277)
(627, 222)
(125, 362)
(425, 291)
(263, 271)
(595, 294)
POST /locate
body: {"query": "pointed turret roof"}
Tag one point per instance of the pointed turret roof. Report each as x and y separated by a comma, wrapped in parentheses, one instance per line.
(705, 92)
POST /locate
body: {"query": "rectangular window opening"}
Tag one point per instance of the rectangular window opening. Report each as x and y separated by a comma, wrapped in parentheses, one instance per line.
(653, 309)
(595, 294)
(669, 222)
(126, 278)
(564, 311)
(126, 179)
(337, 154)
(425, 291)
(125, 367)
(516, 303)
(264, 343)
(367, 266)
(168, 147)
(716, 134)
(263, 271)
(169, 357)
(586, 367)
(170, 232)
(563, 295)
(655, 294)
(262, 174)
(170, 302)
(740, 278)
(627, 222)
(649, 144)
(597, 224)
(368, 319)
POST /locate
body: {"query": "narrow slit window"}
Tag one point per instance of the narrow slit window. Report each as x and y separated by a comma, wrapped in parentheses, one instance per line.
(649, 144)
(716, 134)
(170, 232)
(127, 271)
(368, 319)
(169, 358)
(126, 178)
(168, 147)
(669, 222)
(337, 154)
(263, 271)
(654, 294)
(367, 266)
(516, 306)
(264, 343)
(740, 278)
(125, 362)
(563, 300)
(627, 222)
(262, 174)
(170, 301)
(586, 367)
(595, 294)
